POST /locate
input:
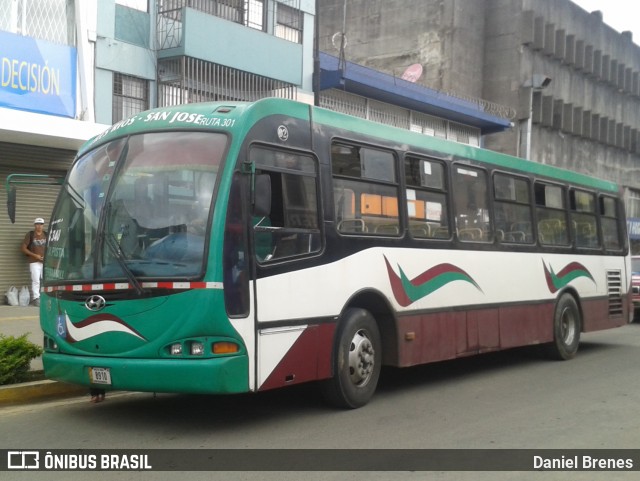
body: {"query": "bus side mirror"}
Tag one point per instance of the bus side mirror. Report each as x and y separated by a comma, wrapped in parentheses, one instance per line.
(11, 204)
(262, 196)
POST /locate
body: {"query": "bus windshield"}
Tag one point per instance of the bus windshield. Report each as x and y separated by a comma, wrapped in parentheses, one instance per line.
(137, 206)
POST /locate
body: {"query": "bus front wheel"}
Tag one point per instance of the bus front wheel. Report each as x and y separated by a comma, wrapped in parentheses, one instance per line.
(356, 361)
(566, 329)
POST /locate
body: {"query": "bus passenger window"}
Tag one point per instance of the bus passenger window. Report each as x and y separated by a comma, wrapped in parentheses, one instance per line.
(471, 204)
(609, 223)
(426, 198)
(512, 209)
(365, 190)
(583, 219)
(551, 213)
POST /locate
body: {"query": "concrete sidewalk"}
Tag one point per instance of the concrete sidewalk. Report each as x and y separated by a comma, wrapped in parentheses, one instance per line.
(16, 321)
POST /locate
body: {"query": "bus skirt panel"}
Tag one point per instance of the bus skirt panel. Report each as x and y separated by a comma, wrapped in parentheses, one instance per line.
(221, 375)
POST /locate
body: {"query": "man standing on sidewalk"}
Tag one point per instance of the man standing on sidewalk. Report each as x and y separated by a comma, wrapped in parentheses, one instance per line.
(33, 247)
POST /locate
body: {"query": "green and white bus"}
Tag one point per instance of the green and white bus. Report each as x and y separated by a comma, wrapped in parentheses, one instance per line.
(240, 247)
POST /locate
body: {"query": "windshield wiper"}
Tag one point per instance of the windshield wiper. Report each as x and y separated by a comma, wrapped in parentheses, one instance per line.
(113, 246)
(116, 251)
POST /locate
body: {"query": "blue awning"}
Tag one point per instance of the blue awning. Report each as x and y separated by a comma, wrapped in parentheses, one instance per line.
(356, 79)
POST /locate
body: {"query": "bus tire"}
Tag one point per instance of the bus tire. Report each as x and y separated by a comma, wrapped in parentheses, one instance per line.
(356, 363)
(566, 329)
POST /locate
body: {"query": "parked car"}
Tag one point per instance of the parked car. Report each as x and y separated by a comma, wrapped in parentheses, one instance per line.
(635, 285)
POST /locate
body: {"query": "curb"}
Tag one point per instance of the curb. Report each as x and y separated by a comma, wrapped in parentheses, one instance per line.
(27, 392)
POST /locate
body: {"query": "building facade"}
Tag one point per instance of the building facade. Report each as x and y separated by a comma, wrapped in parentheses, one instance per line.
(572, 81)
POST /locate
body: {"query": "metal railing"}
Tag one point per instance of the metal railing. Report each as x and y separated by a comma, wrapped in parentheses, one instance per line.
(485, 105)
(256, 14)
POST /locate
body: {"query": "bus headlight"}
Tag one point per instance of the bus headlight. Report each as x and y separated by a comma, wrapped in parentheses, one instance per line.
(200, 348)
(197, 348)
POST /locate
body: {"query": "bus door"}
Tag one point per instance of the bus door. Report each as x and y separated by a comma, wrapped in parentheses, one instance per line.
(284, 237)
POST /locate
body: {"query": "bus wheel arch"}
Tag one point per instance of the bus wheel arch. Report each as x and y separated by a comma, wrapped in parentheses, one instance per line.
(374, 302)
(356, 360)
(567, 326)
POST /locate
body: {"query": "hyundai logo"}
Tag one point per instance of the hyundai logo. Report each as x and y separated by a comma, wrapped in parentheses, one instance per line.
(95, 303)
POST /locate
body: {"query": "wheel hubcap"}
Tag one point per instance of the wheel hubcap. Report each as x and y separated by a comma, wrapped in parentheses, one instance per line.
(568, 327)
(361, 359)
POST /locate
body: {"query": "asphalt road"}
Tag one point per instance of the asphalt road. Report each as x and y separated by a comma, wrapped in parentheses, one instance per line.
(510, 400)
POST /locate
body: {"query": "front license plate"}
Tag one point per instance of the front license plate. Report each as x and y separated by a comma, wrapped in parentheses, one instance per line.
(100, 375)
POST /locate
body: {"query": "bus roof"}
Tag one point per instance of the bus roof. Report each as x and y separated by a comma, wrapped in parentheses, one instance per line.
(224, 116)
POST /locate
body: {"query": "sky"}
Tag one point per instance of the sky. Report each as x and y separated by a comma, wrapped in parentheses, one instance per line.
(619, 14)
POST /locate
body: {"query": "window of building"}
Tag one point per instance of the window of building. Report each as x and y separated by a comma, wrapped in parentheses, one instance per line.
(426, 198)
(254, 16)
(365, 187)
(130, 96)
(512, 209)
(471, 204)
(289, 22)
(552, 217)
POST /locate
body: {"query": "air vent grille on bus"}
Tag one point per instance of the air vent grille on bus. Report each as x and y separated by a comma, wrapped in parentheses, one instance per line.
(614, 287)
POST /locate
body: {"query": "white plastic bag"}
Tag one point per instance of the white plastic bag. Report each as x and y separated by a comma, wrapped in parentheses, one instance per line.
(24, 297)
(12, 296)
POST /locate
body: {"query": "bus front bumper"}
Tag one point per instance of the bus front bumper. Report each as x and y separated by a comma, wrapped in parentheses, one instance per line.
(223, 375)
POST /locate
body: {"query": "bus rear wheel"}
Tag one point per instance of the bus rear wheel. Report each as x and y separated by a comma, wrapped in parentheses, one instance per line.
(356, 361)
(566, 329)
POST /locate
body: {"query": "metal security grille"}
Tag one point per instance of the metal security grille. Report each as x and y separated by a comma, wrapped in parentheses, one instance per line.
(463, 134)
(52, 20)
(388, 114)
(344, 102)
(429, 125)
(33, 201)
(187, 80)
(130, 96)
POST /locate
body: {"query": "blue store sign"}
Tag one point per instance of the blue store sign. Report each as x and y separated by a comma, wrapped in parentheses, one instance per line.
(37, 75)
